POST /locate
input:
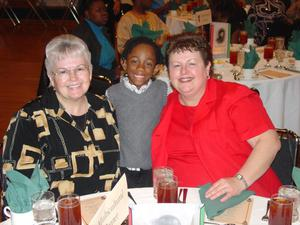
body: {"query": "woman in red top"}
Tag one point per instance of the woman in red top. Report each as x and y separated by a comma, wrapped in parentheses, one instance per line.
(213, 131)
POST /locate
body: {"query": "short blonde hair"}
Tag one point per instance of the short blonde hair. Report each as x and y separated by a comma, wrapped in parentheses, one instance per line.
(66, 45)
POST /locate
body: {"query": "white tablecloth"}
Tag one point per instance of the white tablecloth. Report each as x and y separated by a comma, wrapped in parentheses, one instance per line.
(145, 195)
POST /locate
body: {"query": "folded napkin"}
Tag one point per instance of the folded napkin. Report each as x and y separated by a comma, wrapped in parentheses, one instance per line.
(200, 8)
(251, 59)
(144, 30)
(188, 27)
(295, 47)
(295, 35)
(20, 189)
(296, 176)
(216, 207)
(250, 28)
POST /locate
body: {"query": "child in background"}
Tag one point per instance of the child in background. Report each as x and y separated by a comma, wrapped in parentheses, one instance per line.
(138, 100)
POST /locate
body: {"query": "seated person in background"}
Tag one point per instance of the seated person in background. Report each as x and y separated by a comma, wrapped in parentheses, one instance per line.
(92, 31)
(138, 100)
(270, 19)
(138, 15)
(229, 11)
(213, 131)
(70, 132)
(293, 14)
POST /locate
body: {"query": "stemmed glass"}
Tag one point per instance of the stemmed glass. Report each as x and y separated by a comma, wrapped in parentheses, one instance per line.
(272, 42)
(233, 59)
(268, 54)
(279, 51)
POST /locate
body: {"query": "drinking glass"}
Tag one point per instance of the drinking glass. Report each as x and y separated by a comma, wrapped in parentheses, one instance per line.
(268, 54)
(281, 209)
(293, 193)
(69, 212)
(279, 51)
(272, 42)
(160, 173)
(167, 190)
(233, 55)
(43, 208)
(243, 37)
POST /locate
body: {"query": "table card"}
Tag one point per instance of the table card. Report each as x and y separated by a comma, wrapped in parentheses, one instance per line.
(114, 210)
(220, 39)
(203, 17)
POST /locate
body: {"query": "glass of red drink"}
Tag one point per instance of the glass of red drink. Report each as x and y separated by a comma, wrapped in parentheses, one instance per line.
(272, 41)
(69, 212)
(167, 190)
(233, 56)
(268, 54)
(161, 173)
(243, 37)
(281, 210)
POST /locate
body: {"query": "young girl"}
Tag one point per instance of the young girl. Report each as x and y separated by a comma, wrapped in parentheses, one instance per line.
(138, 100)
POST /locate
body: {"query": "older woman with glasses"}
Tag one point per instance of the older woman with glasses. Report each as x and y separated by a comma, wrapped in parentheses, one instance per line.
(71, 133)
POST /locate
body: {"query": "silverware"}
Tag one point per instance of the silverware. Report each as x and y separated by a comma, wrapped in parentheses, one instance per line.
(185, 191)
(266, 216)
(131, 197)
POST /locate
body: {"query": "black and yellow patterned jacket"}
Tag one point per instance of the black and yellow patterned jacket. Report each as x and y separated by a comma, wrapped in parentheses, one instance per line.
(72, 160)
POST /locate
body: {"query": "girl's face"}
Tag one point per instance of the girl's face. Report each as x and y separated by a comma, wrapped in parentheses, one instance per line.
(140, 64)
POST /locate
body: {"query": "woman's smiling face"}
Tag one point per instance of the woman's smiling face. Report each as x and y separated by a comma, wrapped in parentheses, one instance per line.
(188, 75)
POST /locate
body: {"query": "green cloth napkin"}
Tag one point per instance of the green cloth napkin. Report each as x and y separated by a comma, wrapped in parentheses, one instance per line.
(251, 59)
(174, 5)
(295, 47)
(216, 207)
(295, 35)
(20, 189)
(296, 176)
(250, 28)
(144, 30)
(188, 27)
(200, 8)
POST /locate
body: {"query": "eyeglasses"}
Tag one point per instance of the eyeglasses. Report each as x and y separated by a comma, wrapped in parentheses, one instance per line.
(64, 73)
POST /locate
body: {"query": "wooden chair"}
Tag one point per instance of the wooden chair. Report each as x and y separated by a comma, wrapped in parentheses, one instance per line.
(286, 158)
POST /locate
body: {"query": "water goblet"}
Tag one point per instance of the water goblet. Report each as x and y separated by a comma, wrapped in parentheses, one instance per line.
(279, 51)
(268, 54)
(43, 208)
(293, 193)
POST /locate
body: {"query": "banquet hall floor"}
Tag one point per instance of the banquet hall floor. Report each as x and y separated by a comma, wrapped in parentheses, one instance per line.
(21, 55)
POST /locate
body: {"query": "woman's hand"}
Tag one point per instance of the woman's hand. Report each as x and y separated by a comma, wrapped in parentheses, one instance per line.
(229, 186)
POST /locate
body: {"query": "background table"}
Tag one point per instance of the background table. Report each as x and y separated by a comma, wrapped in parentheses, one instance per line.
(280, 96)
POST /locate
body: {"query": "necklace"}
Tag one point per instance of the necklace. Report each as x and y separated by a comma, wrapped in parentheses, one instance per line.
(80, 121)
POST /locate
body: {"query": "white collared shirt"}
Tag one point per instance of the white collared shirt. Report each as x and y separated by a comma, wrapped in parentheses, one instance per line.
(134, 88)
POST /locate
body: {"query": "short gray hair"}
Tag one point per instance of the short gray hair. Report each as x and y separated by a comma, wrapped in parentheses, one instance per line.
(65, 45)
